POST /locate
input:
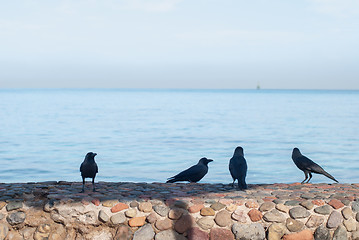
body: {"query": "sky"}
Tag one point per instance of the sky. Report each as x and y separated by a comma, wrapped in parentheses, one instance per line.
(205, 44)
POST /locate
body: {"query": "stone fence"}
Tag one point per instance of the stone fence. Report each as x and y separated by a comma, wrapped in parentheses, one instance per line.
(145, 211)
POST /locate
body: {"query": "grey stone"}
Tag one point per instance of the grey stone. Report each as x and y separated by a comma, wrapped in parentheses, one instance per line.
(123, 232)
(314, 221)
(16, 218)
(145, 207)
(169, 235)
(291, 203)
(355, 206)
(347, 213)
(298, 212)
(223, 218)
(2, 216)
(146, 232)
(350, 225)
(307, 195)
(163, 224)
(181, 204)
(357, 217)
(334, 220)
(274, 216)
(118, 218)
(130, 213)
(152, 217)
(322, 233)
(324, 210)
(283, 208)
(254, 231)
(205, 223)
(217, 206)
(340, 233)
(102, 216)
(134, 204)
(161, 210)
(13, 206)
(307, 204)
(278, 201)
(3, 231)
(266, 206)
(276, 231)
(294, 225)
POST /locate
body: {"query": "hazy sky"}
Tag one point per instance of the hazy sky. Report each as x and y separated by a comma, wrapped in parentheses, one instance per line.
(305, 44)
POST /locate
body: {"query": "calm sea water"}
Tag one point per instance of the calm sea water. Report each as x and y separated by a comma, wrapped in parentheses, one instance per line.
(149, 135)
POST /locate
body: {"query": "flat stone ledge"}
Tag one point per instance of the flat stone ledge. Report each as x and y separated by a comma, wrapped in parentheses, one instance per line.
(125, 210)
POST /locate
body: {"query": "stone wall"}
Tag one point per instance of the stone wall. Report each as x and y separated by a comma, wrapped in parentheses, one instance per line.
(140, 211)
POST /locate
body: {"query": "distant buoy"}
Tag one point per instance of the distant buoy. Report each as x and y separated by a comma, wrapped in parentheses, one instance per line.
(258, 87)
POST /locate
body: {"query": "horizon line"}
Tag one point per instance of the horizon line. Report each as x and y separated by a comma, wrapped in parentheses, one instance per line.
(175, 89)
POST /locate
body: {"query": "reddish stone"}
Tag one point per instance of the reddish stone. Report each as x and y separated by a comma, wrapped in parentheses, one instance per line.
(255, 215)
(269, 199)
(221, 234)
(336, 203)
(197, 234)
(118, 207)
(303, 235)
(294, 184)
(137, 221)
(195, 208)
(96, 201)
(220, 195)
(318, 202)
(251, 204)
(184, 223)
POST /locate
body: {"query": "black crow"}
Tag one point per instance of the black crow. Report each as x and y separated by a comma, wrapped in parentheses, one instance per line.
(238, 168)
(89, 169)
(192, 174)
(308, 166)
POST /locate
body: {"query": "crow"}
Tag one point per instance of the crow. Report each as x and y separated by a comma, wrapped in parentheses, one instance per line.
(89, 169)
(238, 168)
(192, 174)
(308, 166)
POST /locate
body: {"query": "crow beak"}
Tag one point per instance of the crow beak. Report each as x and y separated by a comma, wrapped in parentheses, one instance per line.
(95, 154)
(210, 160)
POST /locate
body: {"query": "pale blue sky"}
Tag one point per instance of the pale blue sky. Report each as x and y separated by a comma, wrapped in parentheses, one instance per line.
(300, 44)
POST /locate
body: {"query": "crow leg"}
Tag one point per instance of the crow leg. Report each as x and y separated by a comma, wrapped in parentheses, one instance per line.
(93, 185)
(306, 177)
(310, 177)
(243, 183)
(233, 182)
(83, 185)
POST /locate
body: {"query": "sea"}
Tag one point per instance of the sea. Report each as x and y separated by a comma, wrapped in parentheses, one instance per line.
(143, 135)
